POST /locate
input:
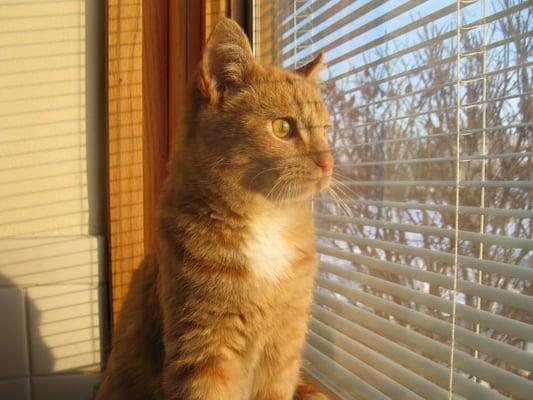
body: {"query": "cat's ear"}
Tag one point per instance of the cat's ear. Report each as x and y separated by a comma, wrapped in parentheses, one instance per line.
(312, 69)
(226, 58)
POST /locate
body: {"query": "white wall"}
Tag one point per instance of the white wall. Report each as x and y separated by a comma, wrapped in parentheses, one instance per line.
(51, 229)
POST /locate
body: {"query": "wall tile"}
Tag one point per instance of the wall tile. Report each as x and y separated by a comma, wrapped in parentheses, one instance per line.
(15, 389)
(52, 260)
(13, 339)
(65, 387)
(64, 326)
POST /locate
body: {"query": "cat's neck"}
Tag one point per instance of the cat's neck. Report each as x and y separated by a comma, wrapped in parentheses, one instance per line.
(278, 238)
(245, 209)
(231, 231)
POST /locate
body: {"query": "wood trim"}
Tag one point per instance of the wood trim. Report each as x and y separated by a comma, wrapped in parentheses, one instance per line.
(177, 59)
(155, 77)
(152, 49)
(137, 77)
(214, 9)
(125, 145)
(263, 46)
(195, 35)
(241, 12)
(187, 30)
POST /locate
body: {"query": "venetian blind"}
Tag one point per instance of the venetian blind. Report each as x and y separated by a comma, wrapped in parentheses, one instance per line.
(425, 240)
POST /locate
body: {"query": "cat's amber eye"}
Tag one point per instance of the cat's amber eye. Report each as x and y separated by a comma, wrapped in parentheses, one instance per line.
(282, 128)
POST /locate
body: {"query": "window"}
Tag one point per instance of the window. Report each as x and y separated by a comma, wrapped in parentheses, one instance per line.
(426, 238)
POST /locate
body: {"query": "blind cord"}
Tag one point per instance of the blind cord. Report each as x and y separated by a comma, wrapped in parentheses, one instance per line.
(484, 152)
(302, 13)
(457, 192)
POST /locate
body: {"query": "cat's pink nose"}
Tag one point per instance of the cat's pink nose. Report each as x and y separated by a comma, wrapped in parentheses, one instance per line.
(325, 164)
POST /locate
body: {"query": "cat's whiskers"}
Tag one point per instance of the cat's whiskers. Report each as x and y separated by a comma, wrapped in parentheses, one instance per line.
(338, 189)
(284, 192)
(340, 202)
(265, 171)
(344, 190)
(281, 192)
(347, 189)
(278, 194)
(279, 180)
(291, 186)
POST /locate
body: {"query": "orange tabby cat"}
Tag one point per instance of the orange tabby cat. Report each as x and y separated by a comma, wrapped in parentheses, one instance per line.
(220, 310)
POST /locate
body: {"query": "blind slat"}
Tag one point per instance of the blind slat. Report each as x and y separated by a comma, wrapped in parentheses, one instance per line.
(517, 300)
(488, 211)
(392, 35)
(377, 361)
(495, 321)
(463, 133)
(465, 261)
(490, 239)
(319, 18)
(432, 64)
(473, 157)
(338, 378)
(436, 183)
(440, 110)
(396, 11)
(359, 365)
(467, 338)
(498, 377)
(437, 86)
(433, 371)
(420, 22)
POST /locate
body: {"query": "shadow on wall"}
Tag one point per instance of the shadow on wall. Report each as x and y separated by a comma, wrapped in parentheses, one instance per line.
(15, 334)
(58, 278)
(51, 317)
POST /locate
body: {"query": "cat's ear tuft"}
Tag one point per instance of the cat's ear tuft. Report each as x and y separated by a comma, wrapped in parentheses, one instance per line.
(226, 58)
(312, 69)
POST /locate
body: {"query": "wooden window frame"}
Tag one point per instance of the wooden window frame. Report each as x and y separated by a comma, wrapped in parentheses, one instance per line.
(152, 48)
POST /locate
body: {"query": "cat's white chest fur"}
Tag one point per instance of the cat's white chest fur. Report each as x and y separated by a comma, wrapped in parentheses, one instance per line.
(267, 249)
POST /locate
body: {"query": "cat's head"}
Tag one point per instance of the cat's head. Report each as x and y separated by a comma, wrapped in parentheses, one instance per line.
(259, 131)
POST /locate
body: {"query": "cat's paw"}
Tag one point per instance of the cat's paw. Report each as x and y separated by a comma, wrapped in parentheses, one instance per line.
(311, 396)
(308, 391)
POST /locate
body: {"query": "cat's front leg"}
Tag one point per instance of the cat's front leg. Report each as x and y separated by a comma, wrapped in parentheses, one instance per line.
(278, 373)
(205, 359)
(209, 378)
(278, 377)
(306, 390)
